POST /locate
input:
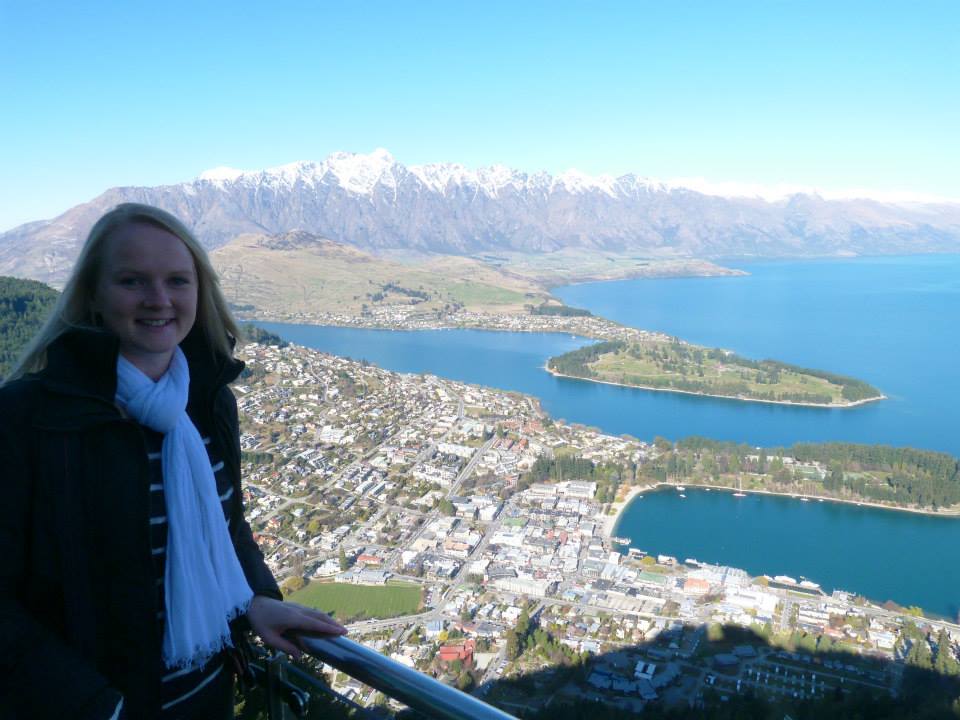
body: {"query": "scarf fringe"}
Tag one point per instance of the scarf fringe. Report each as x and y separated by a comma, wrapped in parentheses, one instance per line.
(200, 655)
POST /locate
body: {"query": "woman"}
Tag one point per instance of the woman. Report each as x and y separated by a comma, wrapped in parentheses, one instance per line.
(129, 568)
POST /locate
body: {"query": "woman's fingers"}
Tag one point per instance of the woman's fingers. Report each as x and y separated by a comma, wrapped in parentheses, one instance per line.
(324, 618)
(279, 642)
(320, 623)
(327, 623)
(278, 624)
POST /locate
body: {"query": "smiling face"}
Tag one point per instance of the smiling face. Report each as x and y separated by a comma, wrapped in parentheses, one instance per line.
(146, 294)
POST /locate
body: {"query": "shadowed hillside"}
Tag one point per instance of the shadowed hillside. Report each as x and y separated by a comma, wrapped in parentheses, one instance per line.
(709, 673)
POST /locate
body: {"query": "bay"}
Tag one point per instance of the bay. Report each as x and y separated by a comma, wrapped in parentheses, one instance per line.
(883, 554)
(505, 360)
(889, 321)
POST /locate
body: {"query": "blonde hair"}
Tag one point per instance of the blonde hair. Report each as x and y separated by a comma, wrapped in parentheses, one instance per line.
(74, 307)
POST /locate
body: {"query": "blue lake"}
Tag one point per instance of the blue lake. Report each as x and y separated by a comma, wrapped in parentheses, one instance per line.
(889, 321)
(884, 554)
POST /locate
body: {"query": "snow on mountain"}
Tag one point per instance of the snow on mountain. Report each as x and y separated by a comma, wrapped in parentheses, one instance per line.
(221, 174)
(374, 203)
(360, 174)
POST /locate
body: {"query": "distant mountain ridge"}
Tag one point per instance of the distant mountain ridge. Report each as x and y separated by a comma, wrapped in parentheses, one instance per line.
(377, 204)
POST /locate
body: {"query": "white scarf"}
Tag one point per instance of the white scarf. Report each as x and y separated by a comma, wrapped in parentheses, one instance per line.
(204, 583)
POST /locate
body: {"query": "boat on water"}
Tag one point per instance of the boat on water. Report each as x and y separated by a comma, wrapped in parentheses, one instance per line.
(804, 499)
(681, 488)
(682, 495)
(620, 540)
(739, 492)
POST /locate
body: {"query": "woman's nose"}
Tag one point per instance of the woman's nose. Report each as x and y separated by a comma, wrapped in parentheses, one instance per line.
(156, 295)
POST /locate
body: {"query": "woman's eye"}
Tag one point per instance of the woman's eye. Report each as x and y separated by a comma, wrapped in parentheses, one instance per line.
(180, 281)
(129, 281)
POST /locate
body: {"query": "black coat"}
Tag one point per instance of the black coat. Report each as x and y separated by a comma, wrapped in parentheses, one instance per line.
(78, 601)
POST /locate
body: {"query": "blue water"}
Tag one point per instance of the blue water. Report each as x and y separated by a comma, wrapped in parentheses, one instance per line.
(889, 321)
(883, 554)
(510, 361)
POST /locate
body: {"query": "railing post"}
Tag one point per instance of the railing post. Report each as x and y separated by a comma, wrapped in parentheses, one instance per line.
(277, 709)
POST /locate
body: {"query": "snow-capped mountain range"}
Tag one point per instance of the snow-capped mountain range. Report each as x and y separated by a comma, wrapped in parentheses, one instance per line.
(360, 174)
(375, 203)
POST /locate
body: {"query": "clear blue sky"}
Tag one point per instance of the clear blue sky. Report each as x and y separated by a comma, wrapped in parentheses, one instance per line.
(833, 94)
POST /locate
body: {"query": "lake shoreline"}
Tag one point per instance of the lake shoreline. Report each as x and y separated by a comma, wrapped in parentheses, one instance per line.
(832, 406)
(619, 506)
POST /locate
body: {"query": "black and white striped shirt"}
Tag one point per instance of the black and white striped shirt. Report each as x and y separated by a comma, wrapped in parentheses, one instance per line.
(178, 686)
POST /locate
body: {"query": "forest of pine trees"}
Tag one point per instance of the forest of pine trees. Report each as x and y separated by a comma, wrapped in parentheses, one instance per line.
(24, 305)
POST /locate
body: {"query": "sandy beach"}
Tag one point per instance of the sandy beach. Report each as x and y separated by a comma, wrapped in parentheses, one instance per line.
(610, 520)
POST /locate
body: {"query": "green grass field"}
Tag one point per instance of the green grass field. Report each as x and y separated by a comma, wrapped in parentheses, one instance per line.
(356, 602)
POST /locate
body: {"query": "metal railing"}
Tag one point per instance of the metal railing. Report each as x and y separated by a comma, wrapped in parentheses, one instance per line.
(416, 690)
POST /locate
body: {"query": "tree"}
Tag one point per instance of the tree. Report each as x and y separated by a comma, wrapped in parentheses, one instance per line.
(446, 507)
(945, 662)
(513, 645)
(24, 305)
(344, 563)
(523, 624)
(292, 584)
(825, 644)
(464, 680)
(517, 635)
(920, 655)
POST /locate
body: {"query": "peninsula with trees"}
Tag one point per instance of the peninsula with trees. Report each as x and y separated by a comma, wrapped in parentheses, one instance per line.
(900, 478)
(659, 363)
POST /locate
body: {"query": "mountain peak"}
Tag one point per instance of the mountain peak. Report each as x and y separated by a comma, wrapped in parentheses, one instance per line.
(220, 174)
(360, 174)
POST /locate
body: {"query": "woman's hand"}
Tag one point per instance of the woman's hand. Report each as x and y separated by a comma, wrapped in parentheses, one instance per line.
(271, 619)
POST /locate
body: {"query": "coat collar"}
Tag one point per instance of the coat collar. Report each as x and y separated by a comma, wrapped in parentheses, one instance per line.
(82, 363)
